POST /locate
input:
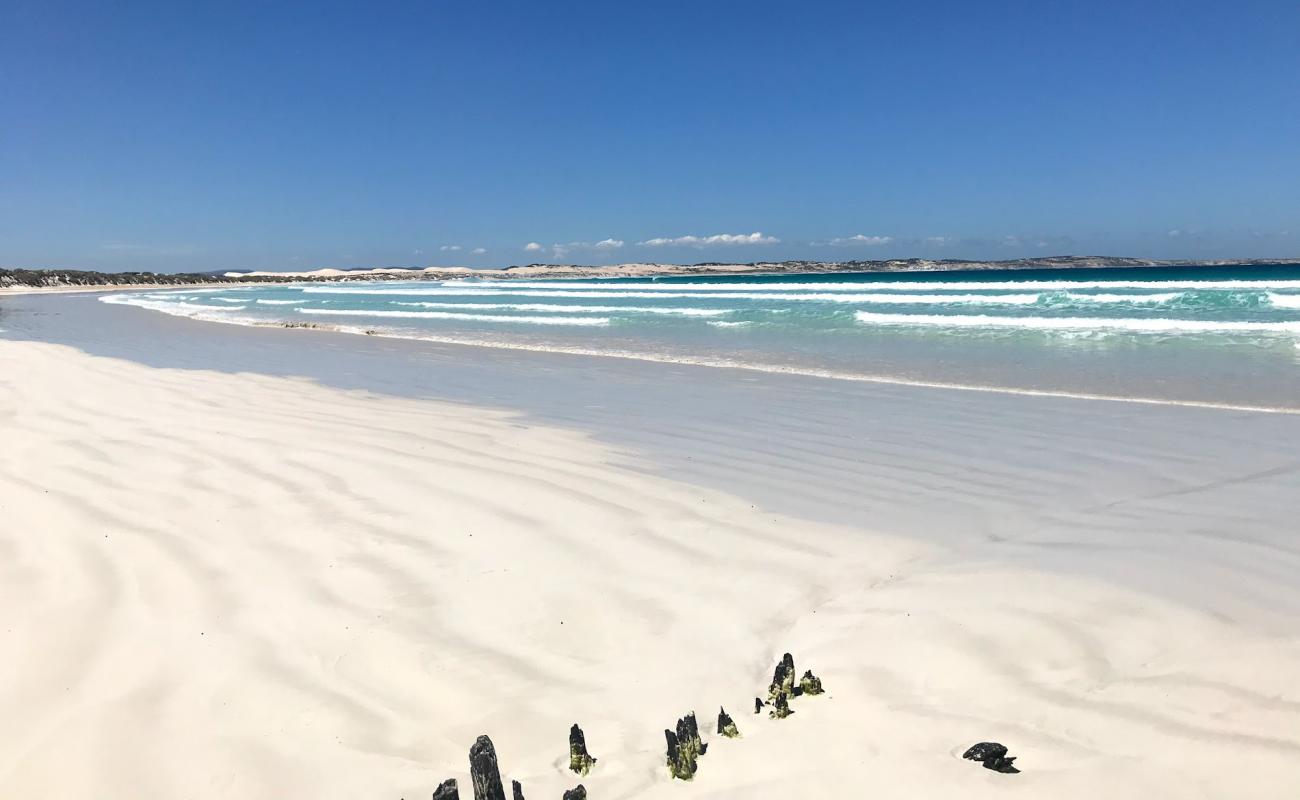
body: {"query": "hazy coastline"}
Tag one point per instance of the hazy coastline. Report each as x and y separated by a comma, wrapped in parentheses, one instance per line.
(57, 278)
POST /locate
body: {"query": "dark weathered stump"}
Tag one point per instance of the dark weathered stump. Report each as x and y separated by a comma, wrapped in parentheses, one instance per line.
(780, 707)
(580, 761)
(680, 763)
(516, 790)
(994, 756)
(688, 730)
(684, 748)
(484, 772)
(810, 684)
(726, 725)
(447, 790)
(578, 792)
(782, 680)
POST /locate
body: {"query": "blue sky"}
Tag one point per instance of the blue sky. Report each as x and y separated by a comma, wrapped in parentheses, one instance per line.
(285, 136)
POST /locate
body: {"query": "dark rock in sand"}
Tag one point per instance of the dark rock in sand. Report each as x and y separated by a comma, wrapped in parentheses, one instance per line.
(782, 680)
(810, 684)
(484, 772)
(726, 725)
(516, 790)
(580, 761)
(447, 790)
(993, 755)
(578, 792)
(758, 705)
(684, 748)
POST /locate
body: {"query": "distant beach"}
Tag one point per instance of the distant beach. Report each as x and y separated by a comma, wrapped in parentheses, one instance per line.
(250, 561)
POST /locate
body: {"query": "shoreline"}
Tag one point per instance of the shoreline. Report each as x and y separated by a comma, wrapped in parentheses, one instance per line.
(351, 557)
(714, 363)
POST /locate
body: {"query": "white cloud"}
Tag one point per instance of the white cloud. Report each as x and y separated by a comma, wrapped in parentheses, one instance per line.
(561, 250)
(710, 241)
(417, 252)
(859, 239)
(938, 241)
(1010, 241)
(1175, 233)
(478, 251)
(449, 248)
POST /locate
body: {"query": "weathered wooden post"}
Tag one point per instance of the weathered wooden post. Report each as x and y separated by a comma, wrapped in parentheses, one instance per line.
(484, 772)
(580, 761)
(684, 748)
(726, 725)
(810, 684)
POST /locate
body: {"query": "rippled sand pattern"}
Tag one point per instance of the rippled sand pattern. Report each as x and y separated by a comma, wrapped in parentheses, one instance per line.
(236, 586)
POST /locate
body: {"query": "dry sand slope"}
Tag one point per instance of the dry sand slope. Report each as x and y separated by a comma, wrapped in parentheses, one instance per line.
(235, 586)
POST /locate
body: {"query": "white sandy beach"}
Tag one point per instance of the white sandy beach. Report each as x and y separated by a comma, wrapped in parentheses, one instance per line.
(223, 585)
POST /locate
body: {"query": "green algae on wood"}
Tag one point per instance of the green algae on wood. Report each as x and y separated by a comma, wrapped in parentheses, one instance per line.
(727, 725)
(580, 761)
(810, 684)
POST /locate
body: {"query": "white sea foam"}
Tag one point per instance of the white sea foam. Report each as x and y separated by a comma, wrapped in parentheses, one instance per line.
(1284, 300)
(896, 298)
(829, 297)
(279, 302)
(724, 324)
(1076, 323)
(883, 285)
(548, 308)
(189, 310)
(1125, 298)
(348, 312)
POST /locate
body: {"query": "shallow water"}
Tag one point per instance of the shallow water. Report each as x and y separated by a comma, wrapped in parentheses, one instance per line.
(1204, 335)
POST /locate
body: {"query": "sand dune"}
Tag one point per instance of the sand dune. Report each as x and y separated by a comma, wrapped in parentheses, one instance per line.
(221, 586)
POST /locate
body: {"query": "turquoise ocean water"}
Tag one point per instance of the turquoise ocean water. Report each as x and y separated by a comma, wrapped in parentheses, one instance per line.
(1219, 335)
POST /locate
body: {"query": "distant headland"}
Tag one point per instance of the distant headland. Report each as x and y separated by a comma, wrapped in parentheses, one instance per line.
(55, 278)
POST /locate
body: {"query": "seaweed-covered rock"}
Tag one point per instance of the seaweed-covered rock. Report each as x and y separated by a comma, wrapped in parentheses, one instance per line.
(782, 680)
(578, 792)
(727, 725)
(484, 772)
(447, 790)
(810, 684)
(758, 705)
(516, 790)
(780, 707)
(684, 747)
(993, 756)
(580, 761)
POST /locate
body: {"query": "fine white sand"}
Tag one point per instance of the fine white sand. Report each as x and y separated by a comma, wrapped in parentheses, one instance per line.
(238, 586)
